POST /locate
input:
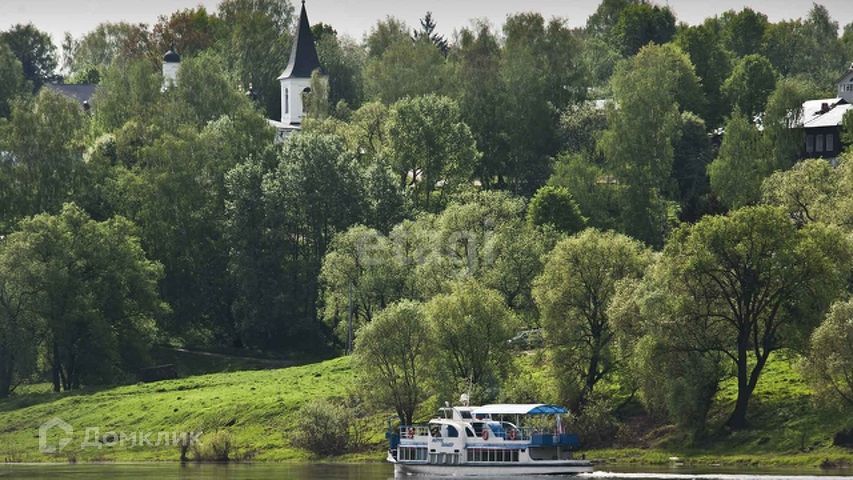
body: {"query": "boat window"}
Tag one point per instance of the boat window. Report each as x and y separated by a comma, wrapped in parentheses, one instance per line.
(469, 432)
(465, 414)
(435, 431)
(452, 432)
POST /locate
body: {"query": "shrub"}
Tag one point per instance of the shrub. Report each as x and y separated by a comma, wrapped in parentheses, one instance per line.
(217, 447)
(323, 428)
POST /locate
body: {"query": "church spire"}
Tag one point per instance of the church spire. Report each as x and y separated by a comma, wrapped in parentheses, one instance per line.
(303, 55)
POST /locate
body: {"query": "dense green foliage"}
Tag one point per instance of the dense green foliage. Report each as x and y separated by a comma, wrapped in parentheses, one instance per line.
(433, 204)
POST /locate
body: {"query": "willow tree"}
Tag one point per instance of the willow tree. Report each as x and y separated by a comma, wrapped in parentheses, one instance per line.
(573, 293)
(748, 284)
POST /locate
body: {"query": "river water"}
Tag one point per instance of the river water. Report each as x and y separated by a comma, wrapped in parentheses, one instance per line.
(152, 471)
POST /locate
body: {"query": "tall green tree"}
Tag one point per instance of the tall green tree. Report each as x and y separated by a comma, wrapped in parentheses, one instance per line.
(406, 68)
(393, 354)
(751, 82)
(642, 23)
(703, 45)
(95, 291)
(35, 50)
(744, 160)
(256, 42)
(743, 31)
(12, 81)
(573, 293)
(43, 157)
(830, 358)
(431, 149)
(542, 75)
(651, 90)
(748, 284)
(469, 327)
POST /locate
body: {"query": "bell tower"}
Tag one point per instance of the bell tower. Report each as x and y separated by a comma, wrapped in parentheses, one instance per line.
(296, 78)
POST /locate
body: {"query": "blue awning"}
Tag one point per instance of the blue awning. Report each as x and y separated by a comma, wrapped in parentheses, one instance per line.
(519, 409)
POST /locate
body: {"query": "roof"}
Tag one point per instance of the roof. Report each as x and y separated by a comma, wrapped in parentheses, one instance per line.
(834, 116)
(81, 93)
(519, 409)
(172, 56)
(844, 77)
(303, 56)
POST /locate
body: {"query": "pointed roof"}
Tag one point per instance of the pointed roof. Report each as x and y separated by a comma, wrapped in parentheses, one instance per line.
(303, 55)
(172, 56)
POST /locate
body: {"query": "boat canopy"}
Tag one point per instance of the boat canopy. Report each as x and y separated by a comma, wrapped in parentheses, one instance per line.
(519, 409)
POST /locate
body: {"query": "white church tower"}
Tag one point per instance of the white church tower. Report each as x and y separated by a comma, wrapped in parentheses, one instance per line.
(296, 78)
(171, 65)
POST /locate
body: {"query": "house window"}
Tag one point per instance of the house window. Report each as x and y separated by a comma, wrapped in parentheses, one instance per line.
(286, 100)
(819, 143)
(809, 143)
(830, 142)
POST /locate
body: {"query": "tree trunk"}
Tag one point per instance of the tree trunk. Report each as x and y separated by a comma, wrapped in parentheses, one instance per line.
(738, 418)
(55, 375)
(6, 369)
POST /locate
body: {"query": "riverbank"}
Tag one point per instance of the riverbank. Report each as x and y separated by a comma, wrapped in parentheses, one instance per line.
(258, 412)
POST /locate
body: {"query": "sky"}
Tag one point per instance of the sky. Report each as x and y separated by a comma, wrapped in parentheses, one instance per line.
(355, 17)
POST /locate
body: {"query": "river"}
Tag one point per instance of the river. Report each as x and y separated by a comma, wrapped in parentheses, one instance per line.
(152, 471)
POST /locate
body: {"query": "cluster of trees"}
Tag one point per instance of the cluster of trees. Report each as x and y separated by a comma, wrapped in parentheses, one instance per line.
(442, 195)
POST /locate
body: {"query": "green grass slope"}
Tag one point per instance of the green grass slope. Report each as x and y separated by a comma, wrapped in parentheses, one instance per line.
(258, 408)
(787, 428)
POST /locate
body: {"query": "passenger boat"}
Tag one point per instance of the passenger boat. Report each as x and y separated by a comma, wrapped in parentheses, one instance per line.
(491, 440)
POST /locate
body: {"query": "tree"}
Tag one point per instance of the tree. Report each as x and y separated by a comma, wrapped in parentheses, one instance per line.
(43, 156)
(542, 75)
(606, 16)
(361, 273)
(427, 31)
(431, 149)
(12, 81)
(384, 34)
(751, 82)
(554, 206)
(190, 31)
(469, 328)
(814, 191)
(19, 328)
(95, 291)
(689, 167)
(35, 50)
(703, 45)
(651, 90)
(743, 31)
(744, 160)
(343, 62)
(781, 120)
(643, 23)
(480, 90)
(830, 358)
(109, 42)
(406, 69)
(128, 92)
(393, 354)
(748, 284)
(572, 293)
(256, 42)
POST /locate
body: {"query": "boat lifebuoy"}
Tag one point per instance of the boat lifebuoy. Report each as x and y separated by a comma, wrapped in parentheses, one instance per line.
(411, 432)
(485, 433)
(512, 434)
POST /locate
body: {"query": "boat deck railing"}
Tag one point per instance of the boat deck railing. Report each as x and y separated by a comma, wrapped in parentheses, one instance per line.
(530, 435)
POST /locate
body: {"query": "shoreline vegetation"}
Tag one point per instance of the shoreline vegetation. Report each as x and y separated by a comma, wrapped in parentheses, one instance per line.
(256, 412)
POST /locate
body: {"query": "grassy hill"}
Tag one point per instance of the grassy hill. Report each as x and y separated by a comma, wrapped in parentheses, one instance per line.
(258, 408)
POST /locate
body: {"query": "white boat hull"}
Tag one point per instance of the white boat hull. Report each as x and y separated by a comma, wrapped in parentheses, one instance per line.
(476, 470)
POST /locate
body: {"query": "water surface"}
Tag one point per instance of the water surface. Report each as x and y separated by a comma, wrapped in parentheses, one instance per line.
(152, 471)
